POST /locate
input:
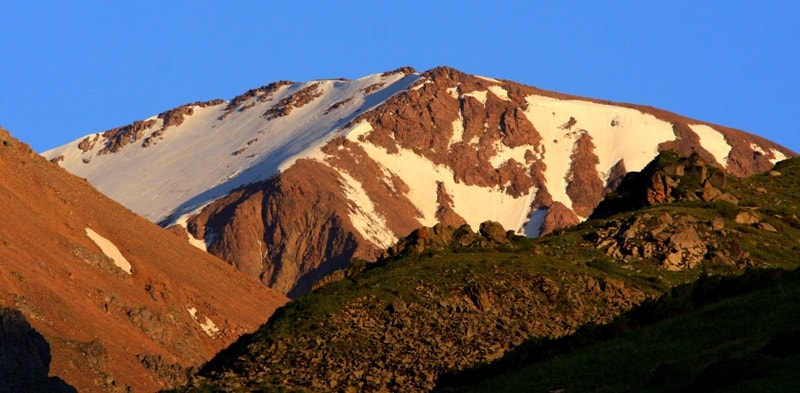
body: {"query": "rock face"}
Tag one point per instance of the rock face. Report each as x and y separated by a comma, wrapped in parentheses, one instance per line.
(291, 180)
(101, 298)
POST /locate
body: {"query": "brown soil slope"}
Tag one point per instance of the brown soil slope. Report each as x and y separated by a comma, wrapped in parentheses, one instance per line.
(108, 329)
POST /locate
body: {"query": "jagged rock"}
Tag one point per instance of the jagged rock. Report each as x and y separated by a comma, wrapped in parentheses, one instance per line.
(476, 131)
(747, 217)
(558, 216)
(481, 296)
(440, 236)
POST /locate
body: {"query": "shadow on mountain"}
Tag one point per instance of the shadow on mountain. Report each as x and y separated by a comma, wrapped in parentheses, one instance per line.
(25, 357)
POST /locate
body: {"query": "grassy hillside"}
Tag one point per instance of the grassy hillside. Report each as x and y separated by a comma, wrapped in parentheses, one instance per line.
(735, 334)
(446, 299)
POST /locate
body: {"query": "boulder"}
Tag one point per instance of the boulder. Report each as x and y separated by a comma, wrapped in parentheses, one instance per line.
(747, 217)
(494, 232)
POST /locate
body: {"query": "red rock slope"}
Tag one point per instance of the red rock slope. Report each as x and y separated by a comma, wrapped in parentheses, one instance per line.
(122, 303)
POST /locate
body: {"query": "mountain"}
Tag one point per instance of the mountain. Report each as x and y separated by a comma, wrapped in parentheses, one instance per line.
(95, 298)
(291, 181)
(449, 298)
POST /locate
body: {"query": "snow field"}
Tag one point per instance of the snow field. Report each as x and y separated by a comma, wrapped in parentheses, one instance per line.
(617, 134)
(475, 204)
(205, 158)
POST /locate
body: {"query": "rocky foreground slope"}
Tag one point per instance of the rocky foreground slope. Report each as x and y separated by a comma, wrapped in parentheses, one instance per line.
(445, 298)
(290, 181)
(98, 299)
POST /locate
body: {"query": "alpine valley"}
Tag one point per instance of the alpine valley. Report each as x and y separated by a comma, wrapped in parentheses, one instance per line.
(435, 230)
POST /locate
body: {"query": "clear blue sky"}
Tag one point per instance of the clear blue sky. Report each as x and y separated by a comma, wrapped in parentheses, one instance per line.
(70, 68)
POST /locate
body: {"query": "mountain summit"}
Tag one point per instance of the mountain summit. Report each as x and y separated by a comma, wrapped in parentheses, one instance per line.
(291, 181)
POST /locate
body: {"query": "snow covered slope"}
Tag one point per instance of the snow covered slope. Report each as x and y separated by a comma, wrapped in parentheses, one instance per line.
(291, 180)
(180, 160)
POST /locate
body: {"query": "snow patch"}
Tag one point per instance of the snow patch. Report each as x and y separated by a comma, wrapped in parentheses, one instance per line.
(500, 92)
(479, 95)
(182, 221)
(458, 130)
(486, 78)
(714, 142)
(110, 250)
(758, 149)
(208, 325)
(453, 91)
(419, 86)
(362, 213)
(778, 156)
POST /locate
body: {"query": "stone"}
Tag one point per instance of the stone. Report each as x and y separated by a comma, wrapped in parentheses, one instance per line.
(727, 197)
(710, 193)
(717, 223)
(774, 173)
(765, 226)
(747, 217)
(672, 261)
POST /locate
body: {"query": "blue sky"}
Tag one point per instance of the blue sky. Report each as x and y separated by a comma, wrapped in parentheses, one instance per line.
(71, 68)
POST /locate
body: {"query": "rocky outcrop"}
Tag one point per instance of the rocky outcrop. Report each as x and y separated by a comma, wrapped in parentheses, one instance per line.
(668, 178)
(674, 242)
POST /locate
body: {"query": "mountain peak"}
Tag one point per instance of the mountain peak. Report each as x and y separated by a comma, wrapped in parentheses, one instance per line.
(315, 173)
